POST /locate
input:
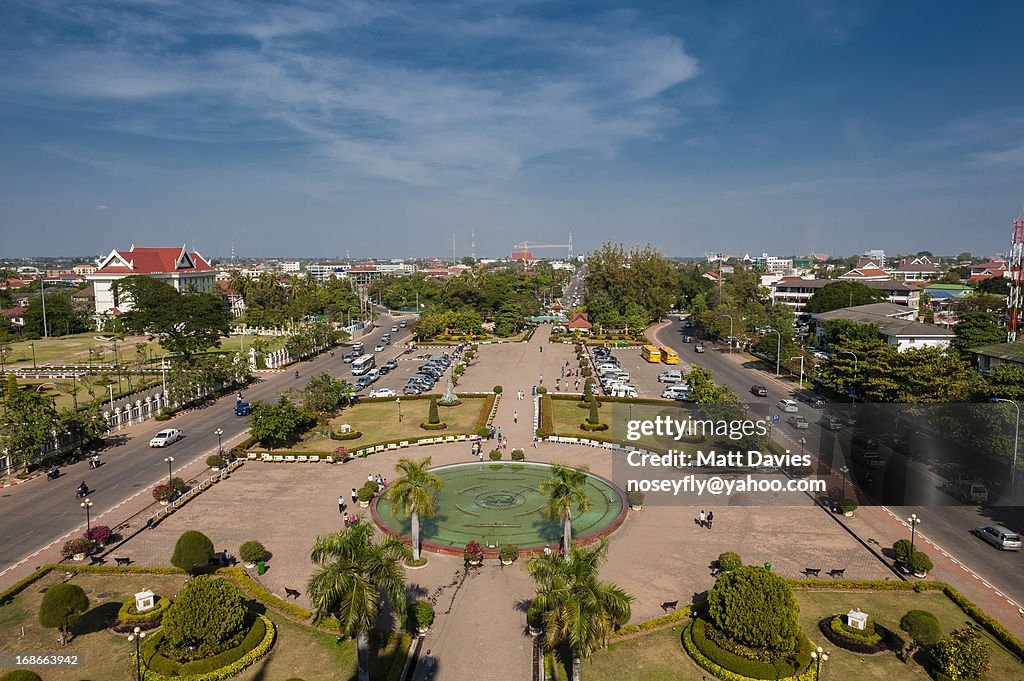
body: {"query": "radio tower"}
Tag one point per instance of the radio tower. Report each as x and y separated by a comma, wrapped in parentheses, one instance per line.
(1016, 264)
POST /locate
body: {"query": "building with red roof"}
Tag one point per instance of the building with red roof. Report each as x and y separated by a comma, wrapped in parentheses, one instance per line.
(177, 266)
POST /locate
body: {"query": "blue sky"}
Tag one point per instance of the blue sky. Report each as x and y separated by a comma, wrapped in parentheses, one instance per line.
(381, 129)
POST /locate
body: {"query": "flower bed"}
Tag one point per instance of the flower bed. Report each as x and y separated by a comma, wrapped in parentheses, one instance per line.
(129, 615)
(870, 641)
(786, 667)
(721, 672)
(256, 643)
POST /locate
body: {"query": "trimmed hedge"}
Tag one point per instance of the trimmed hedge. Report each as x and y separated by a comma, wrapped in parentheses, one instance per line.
(257, 591)
(336, 434)
(547, 417)
(836, 631)
(229, 663)
(129, 615)
(754, 669)
(721, 672)
(21, 675)
(657, 622)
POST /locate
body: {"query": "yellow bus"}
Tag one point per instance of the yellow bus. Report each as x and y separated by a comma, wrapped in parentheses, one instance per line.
(651, 353)
(669, 356)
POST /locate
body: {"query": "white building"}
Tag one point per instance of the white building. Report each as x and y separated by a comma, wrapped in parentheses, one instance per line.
(896, 324)
(176, 266)
(291, 267)
(773, 264)
(795, 291)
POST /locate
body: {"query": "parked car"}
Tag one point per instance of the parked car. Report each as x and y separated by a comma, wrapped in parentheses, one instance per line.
(391, 364)
(864, 441)
(999, 537)
(373, 374)
(383, 369)
(412, 389)
(382, 392)
(788, 406)
(759, 390)
(676, 392)
(829, 422)
(816, 401)
(362, 383)
(622, 390)
(967, 491)
(798, 422)
(671, 376)
(699, 347)
(243, 409)
(869, 459)
(165, 437)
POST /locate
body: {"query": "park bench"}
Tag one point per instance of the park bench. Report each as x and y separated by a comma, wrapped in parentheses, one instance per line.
(811, 572)
(837, 572)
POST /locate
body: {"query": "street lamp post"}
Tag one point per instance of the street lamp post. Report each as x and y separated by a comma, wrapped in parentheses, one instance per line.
(169, 460)
(730, 330)
(87, 504)
(818, 656)
(33, 346)
(914, 522)
(802, 441)
(845, 470)
(801, 358)
(137, 635)
(1016, 439)
(778, 352)
(398, 401)
(219, 433)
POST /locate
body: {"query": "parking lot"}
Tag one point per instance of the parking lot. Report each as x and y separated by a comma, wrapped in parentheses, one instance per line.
(643, 375)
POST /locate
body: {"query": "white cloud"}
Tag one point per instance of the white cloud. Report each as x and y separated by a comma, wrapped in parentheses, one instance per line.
(102, 206)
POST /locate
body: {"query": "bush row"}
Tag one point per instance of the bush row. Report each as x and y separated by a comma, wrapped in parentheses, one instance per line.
(232, 668)
(547, 417)
(657, 622)
(256, 590)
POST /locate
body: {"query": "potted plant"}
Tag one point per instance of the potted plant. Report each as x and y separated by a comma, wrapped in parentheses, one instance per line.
(77, 548)
(163, 493)
(919, 564)
(635, 499)
(508, 553)
(342, 454)
(518, 455)
(535, 619)
(252, 552)
(366, 493)
(422, 616)
(473, 553)
(848, 507)
(216, 462)
(99, 534)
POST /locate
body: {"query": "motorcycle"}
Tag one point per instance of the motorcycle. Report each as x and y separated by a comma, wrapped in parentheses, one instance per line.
(82, 491)
(53, 473)
(296, 374)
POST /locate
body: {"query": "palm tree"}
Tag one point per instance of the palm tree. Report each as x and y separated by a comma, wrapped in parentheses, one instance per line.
(566, 487)
(580, 611)
(413, 494)
(354, 573)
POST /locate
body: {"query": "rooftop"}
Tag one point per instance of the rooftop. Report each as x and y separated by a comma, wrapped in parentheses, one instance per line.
(1012, 352)
(885, 316)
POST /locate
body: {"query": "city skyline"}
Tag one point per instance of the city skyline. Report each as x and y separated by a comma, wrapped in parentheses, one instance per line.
(385, 128)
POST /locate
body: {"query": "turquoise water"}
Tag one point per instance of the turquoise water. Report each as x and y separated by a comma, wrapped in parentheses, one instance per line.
(501, 503)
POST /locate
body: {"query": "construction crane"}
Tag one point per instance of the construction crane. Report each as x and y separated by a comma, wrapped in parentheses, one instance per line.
(528, 245)
(1016, 265)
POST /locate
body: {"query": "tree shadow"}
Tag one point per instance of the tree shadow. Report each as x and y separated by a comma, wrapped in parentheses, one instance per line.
(96, 619)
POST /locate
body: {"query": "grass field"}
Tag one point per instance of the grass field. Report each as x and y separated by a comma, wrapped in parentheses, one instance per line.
(378, 422)
(299, 651)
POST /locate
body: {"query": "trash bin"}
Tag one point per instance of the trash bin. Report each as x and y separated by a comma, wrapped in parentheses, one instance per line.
(261, 567)
(767, 566)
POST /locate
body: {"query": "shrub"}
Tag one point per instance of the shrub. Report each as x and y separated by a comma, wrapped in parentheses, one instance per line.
(205, 619)
(962, 655)
(586, 372)
(729, 561)
(495, 455)
(848, 505)
(336, 434)
(192, 551)
(21, 675)
(252, 644)
(703, 636)
(920, 563)
(755, 608)
(252, 551)
(432, 417)
(100, 534)
(518, 455)
(421, 614)
(593, 418)
(497, 389)
(62, 605)
(635, 497)
(163, 492)
(368, 491)
(215, 461)
(473, 551)
(128, 614)
(77, 546)
(901, 548)
(870, 636)
(922, 626)
(342, 453)
(535, 615)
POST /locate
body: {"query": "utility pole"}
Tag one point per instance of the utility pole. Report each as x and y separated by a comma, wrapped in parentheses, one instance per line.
(42, 289)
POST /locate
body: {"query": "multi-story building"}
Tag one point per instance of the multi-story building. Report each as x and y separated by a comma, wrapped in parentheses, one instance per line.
(176, 266)
(868, 271)
(773, 264)
(322, 271)
(918, 268)
(795, 291)
(291, 267)
(84, 269)
(897, 325)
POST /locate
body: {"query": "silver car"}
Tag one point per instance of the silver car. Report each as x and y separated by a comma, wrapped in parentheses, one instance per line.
(999, 537)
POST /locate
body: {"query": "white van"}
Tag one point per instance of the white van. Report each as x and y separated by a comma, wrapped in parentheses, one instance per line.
(357, 348)
(622, 390)
(968, 491)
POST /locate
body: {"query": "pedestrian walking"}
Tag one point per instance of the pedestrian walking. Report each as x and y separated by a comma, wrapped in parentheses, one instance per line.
(541, 381)
(534, 391)
(701, 518)
(480, 453)
(499, 432)
(542, 349)
(515, 417)
(710, 519)
(355, 495)
(341, 504)
(504, 443)
(534, 444)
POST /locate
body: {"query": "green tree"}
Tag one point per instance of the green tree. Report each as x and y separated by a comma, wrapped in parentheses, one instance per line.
(62, 606)
(413, 494)
(564, 488)
(977, 328)
(275, 424)
(323, 394)
(62, 315)
(30, 420)
(703, 389)
(509, 319)
(1003, 380)
(756, 608)
(963, 654)
(432, 416)
(187, 323)
(21, 675)
(843, 294)
(580, 610)
(204, 617)
(192, 551)
(594, 418)
(354, 572)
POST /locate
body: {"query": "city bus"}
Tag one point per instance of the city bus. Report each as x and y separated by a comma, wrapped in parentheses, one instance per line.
(669, 356)
(363, 364)
(651, 353)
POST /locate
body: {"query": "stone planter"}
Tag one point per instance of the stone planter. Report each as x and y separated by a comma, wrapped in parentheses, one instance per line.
(920, 575)
(848, 514)
(164, 502)
(215, 469)
(422, 631)
(476, 562)
(535, 632)
(505, 561)
(364, 504)
(78, 556)
(248, 566)
(635, 508)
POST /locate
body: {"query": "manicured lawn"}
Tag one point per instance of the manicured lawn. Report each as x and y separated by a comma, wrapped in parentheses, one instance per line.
(886, 608)
(378, 422)
(75, 348)
(299, 651)
(658, 656)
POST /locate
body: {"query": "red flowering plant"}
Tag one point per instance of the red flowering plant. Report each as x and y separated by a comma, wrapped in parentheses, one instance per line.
(473, 551)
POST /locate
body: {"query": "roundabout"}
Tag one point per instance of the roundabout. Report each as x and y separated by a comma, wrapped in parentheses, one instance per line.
(497, 504)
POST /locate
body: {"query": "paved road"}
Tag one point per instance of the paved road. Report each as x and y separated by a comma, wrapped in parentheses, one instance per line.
(39, 511)
(948, 526)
